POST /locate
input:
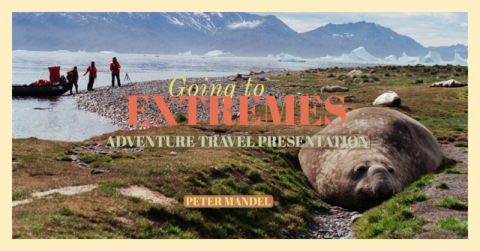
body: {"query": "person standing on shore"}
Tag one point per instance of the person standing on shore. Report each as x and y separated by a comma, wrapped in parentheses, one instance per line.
(72, 77)
(93, 75)
(115, 69)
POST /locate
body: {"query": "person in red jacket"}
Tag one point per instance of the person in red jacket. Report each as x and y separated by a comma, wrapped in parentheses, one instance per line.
(93, 75)
(115, 69)
(73, 78)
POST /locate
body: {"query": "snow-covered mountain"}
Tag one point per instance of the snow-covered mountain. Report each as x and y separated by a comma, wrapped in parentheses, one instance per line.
(241, 34)
(377, 40)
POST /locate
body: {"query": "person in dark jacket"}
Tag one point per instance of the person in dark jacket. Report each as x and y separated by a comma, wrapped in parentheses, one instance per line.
(73, 78)
(115, 69)
(93, 75)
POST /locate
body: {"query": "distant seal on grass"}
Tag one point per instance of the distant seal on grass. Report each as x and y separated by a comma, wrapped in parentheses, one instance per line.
(389, 98)
(448, 83)
(333, 89)
(401, 150)
(354, 74)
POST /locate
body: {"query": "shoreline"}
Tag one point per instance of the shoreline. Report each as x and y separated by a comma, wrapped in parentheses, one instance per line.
(112, 103)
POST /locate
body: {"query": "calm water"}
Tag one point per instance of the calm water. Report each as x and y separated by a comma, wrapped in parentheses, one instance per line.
(58, 118)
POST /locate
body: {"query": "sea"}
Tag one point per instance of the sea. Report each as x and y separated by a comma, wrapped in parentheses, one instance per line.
(57, 118)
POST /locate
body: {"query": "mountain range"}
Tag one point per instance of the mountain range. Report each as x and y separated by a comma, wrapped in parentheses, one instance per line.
(242, 34)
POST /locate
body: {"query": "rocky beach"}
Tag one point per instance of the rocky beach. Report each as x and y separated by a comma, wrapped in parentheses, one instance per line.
(112, 103)
(89, 190)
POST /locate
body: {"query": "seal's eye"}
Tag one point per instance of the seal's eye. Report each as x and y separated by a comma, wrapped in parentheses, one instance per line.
(390, 170)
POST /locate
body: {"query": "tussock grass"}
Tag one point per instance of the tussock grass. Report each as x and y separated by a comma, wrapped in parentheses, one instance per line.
(442, 185)
(449, 202)
(453, 224)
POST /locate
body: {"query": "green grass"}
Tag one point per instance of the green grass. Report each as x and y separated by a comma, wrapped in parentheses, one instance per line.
(454, 171)
(449, 202)
(423, 181)
(65, 211)
(461, 144)
(442, 185)
(19, 194)
(450, 122)
(218, 172)
(453, 224)
(394, 218)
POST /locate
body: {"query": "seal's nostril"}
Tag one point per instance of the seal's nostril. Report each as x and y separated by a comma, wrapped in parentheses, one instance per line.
(384, 190)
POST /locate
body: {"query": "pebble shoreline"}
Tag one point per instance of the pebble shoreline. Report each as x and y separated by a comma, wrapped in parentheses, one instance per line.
(112, 103)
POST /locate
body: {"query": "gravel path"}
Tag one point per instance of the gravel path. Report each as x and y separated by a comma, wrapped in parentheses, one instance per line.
(334, 224)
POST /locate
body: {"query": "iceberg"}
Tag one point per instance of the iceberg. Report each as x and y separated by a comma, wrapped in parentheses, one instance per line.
(217, 53)
(270, 56)
(187, 53)
(360, 54)
(459, 60)
(357, 55)
(283, 57)
(328, 58)
(431, 58)
(107, 52)
(407, 59)
(79, 51)
(345, 57)
(391, 58)
(62, 51)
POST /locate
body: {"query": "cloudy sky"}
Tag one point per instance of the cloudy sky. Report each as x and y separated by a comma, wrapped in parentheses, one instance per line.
(429, 29)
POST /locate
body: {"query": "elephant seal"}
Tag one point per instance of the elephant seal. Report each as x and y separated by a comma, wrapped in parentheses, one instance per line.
(448, 83)
(333, 89)
(389, 98)
(400, 151)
